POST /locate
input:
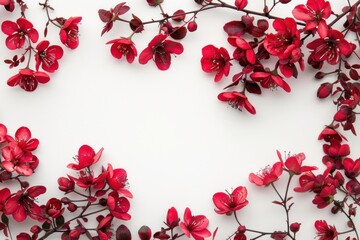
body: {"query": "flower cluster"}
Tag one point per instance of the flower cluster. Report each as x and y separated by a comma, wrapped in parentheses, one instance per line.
(23, 37)
(104, 195)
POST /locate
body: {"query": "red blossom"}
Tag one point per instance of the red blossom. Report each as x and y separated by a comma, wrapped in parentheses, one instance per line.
(285, 41)
(18, 32)
(4, 196)
(239, 28)
(329, 132)
(47, 56)
(104, 227)
(325, 196)
(243, 45)
(3, 133)
(237, 100)
(28, 80)
(14, 159)
(123, 47)
(227, 203)
(196, 226)
(330, 48)
(23, 139)
(86, 157)
(69, 32)
(314, 14)
(54, 208)
(66, 184)
(351, 167)
(22, 204)
(270, 80)
(118, 206)
(293, 164)
(159, 49)
(325, 231)
(267, 175)
(215, 60)
(117, 179)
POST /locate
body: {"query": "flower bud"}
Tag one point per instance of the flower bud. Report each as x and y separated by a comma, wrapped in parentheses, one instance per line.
(65, 200)
(192, 26)
(324, 90)
(241, 229)
(294, 227)
(71, 207)
(35, 229)
(320, 75)
(65, 184)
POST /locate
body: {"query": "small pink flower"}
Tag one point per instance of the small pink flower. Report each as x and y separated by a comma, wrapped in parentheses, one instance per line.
(18, 32)
(28, 80)
(196, 226)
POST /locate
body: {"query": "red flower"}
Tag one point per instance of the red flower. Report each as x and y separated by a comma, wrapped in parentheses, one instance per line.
(330, 47)
(351, 167)
(336, 149)
(86, 157)
(244, 46)
(15, 159)
(314, 14)
(269, 80)
(117, 179)
(226, 203)
(309, 182)
(54, 208)
(104, 227)
(237, 100)
(196, 226)
(285, 41)
(159, 50)
(123, 47)
(267, 175)
(329, 132)
(69, 32)
(22, 204)
(28, 80)
(66, 184)
(4, 196)
(293, 164)
(17, 33)
(172, 218)
(23, 139)
(118, 206)
(325, 231)
(47, 56)
(215, 60)
(325, 196)
(3, 133)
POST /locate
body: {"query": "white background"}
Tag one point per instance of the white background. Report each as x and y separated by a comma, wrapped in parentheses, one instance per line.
(177, 142)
